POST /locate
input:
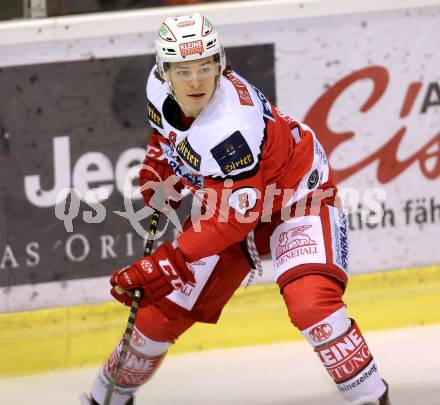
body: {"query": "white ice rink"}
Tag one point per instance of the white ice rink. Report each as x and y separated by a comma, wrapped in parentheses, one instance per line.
(278, 374)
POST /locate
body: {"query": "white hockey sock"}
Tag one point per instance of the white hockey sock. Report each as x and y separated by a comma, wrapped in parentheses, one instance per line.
(143, 359)
(344, 353)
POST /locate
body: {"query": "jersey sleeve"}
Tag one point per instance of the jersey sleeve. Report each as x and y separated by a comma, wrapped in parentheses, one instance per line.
(230, 209)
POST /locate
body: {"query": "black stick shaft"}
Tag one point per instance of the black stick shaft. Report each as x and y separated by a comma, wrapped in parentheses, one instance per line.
(152, 231)
(132, 315)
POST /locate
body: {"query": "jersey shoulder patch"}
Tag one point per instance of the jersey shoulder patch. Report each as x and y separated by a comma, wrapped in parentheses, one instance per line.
(156, 95)
(233, 153)
(153, 114)
(241, 89)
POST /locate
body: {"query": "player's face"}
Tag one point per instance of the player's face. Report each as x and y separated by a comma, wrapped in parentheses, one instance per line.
(193, 83)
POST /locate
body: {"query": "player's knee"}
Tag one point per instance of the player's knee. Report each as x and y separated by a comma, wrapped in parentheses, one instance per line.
(312, 298)
(146, 346)
(159, 326)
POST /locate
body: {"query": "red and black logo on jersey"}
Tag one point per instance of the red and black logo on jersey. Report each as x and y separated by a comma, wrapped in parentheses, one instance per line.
(242, 91)
(154, 115)
(233, 153)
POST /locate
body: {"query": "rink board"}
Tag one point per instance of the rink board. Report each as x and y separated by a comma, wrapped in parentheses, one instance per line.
(69, 337)
(364, 75)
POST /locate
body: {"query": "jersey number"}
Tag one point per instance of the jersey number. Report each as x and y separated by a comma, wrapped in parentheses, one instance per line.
(243, 201)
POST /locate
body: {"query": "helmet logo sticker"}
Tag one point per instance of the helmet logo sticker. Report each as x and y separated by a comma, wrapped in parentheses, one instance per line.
(187, 37)
(186, 23)
(207, 27)
(166, 34)
(191, 48)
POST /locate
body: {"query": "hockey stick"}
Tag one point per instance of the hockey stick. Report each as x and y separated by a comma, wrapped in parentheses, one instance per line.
(132, 315)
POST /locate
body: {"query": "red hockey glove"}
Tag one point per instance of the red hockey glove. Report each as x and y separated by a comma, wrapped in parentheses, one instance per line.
(155, 169)
(157, 275)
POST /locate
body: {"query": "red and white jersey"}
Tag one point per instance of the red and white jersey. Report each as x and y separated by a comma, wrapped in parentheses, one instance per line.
(238, 136)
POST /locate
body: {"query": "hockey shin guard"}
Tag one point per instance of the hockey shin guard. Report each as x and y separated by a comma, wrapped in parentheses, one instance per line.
(143, 359)
(342, 349)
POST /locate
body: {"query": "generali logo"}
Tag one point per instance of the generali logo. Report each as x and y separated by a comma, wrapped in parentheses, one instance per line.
(192, 267)
(191, 48)
(295, 239)
(188, 288)
(321, 332)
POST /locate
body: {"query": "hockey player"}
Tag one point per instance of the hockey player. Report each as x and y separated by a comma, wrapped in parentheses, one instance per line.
(265, 185)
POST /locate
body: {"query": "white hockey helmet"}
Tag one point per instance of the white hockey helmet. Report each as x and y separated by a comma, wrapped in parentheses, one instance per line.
(187, 38)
